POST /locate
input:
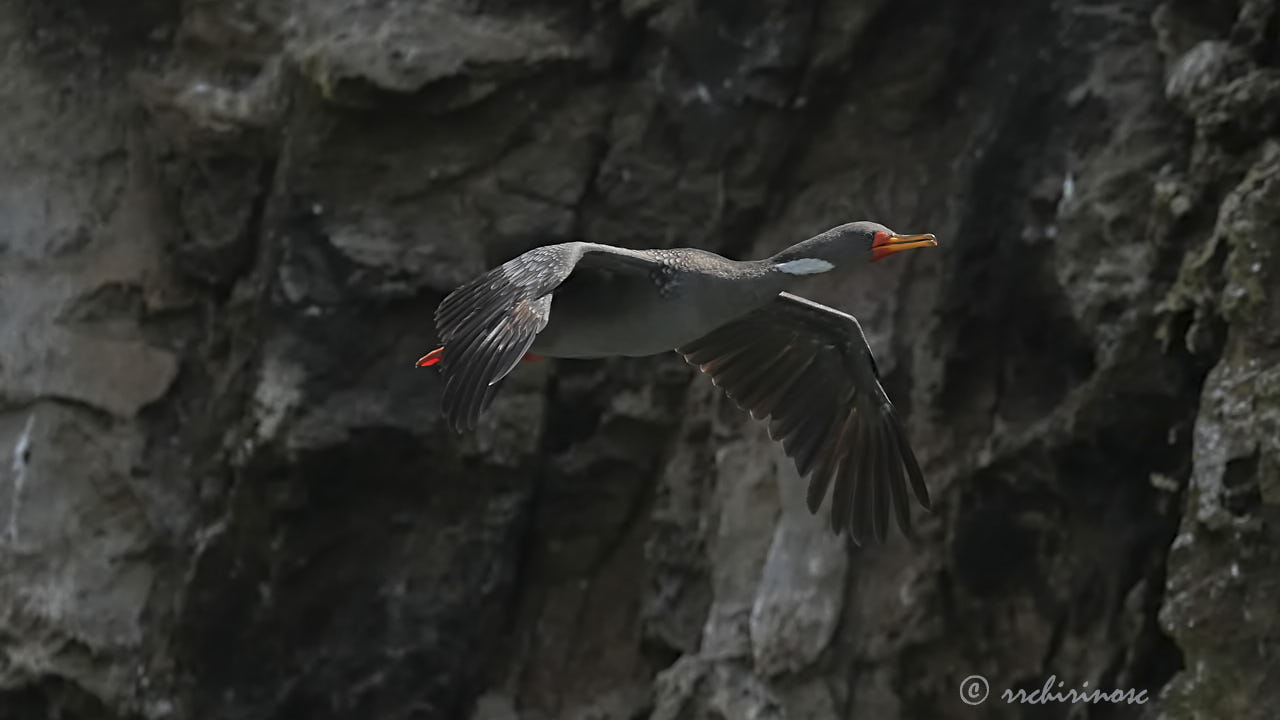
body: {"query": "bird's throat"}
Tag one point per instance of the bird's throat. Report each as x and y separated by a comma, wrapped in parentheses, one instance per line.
(804, 266)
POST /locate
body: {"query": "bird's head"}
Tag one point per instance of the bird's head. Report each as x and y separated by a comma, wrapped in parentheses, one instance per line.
(846, 245)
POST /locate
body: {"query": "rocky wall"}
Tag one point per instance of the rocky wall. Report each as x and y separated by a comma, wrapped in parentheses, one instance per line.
(225, 492)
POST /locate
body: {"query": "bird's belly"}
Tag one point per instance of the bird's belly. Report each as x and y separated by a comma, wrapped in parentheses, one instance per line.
(595, 332)
(625, 322)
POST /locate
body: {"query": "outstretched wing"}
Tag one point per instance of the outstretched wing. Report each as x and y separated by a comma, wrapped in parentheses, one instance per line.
(807, 368)
(489, 323)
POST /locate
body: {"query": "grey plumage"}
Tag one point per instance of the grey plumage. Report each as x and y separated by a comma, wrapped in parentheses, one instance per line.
(820, 393)
(803, 368)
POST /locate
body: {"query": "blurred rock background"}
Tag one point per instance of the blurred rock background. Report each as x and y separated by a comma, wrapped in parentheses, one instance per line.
(225, 492)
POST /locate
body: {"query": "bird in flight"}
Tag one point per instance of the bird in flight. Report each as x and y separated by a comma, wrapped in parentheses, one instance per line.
(804, 367)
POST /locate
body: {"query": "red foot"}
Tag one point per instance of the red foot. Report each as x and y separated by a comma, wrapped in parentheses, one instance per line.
(430, 358)
(434, 356)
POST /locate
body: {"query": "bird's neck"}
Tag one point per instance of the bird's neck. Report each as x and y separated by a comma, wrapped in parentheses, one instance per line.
(810, 257)
(802, 260)
(773, 275)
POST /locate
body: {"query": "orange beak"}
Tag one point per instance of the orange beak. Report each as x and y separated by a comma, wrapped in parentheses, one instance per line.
(886, 244)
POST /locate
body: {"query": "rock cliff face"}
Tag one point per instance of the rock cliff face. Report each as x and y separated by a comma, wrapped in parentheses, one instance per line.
(224, 492)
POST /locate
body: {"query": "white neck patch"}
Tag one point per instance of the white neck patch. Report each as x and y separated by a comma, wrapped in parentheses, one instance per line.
(804, 266)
